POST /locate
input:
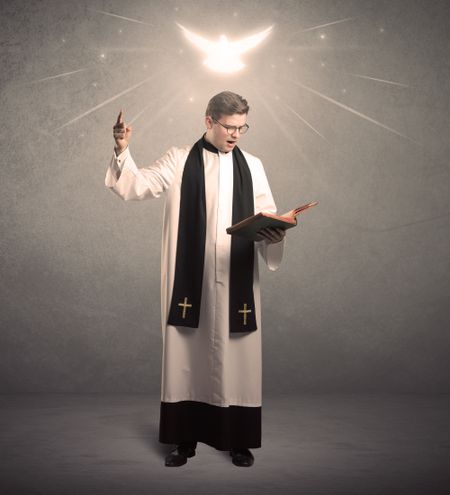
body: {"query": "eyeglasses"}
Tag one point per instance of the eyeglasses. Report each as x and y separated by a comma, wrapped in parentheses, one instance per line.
(231, 129)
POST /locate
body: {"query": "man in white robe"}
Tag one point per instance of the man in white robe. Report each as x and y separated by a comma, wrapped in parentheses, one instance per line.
(211, 378)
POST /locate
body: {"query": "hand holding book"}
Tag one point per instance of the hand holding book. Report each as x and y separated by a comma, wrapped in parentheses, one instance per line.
(251, 226)
(272, 234)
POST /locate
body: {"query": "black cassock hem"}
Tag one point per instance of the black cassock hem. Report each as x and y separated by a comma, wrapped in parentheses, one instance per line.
(220, 427)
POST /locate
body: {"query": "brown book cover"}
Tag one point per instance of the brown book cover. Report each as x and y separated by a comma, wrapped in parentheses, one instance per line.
(249, 227)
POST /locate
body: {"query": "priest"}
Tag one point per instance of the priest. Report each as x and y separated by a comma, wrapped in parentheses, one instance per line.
(210, 294)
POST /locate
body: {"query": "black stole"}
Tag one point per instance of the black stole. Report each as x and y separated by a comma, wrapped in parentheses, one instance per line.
(187, 290)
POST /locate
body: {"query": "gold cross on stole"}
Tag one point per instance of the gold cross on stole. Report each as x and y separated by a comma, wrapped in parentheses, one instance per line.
(244, 312)
(184, 305)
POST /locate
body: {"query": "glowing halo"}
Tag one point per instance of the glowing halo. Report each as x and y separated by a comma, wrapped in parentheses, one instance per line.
(224, 55)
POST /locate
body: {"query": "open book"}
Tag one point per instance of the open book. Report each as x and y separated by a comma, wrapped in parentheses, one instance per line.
(249, 227)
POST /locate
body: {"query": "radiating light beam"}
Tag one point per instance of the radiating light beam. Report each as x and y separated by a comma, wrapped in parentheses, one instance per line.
(397, 226)
(304, 120)
(323, 48)
(424, 220)
(326, 25)
(120, 17)
(378, 80)
(352, 110)
(132, 120)
(136, 49)
(160, 111)
(281, 126)
(58, 75)
(157, 115)
(109, 100)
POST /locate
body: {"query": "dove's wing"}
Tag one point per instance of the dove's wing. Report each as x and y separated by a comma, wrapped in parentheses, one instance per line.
(200, 42)
(241, 46)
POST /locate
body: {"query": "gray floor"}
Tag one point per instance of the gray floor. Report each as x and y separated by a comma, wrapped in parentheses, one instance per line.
(324, 444)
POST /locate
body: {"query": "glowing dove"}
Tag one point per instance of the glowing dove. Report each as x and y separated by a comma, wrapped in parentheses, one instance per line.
(223, 55)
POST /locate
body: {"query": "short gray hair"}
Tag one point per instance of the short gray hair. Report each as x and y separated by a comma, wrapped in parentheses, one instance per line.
(226, 103)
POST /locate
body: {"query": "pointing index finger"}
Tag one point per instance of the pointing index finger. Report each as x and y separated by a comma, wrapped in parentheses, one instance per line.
(120, 118)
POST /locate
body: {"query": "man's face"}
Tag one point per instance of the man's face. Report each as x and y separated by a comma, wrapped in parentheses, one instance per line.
(218, 136)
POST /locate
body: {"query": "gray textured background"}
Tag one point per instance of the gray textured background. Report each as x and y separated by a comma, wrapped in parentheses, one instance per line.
(361, 302)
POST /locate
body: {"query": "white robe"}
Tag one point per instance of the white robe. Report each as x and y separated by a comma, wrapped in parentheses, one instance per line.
(205, 364)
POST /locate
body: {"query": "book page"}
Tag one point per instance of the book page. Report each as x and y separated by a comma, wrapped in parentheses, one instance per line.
(293, 213)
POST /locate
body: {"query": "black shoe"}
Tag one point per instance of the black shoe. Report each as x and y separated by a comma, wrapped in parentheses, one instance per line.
(179, 455)
(242, 457)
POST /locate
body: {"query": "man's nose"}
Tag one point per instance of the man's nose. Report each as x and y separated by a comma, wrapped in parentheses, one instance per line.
(235, 133)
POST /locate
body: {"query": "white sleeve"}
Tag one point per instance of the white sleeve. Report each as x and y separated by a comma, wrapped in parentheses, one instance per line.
(272, 253)
(132, 183)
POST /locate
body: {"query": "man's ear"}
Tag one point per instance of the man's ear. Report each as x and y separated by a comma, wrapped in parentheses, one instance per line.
(208, 122)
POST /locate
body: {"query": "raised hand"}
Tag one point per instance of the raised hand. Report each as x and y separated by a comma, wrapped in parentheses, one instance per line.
(121, 133)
